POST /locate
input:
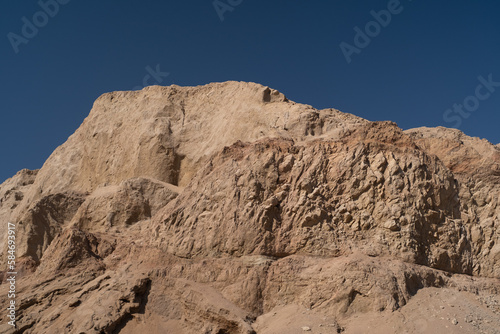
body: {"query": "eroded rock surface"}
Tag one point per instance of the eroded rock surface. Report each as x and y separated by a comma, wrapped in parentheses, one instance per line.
(227, 208)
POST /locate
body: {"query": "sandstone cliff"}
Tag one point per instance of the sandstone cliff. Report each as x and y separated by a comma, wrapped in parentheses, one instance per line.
(227, 208)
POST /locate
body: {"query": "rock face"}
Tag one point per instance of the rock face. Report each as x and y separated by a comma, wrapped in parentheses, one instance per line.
(12, 192)
(227, 208)
(373, 191)
(475, 163)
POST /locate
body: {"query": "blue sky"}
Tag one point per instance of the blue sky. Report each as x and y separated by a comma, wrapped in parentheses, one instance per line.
(428, 58)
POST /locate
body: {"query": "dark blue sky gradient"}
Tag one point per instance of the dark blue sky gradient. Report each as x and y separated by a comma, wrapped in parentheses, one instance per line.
(428, 58)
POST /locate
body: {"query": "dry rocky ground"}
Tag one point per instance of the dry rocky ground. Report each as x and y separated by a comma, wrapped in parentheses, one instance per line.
(227, 208)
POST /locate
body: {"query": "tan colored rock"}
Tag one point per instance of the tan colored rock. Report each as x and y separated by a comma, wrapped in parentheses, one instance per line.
(12, 192)
(165, 132)
(74, 248)
(40, 224)
(476, 165)
(336, 197)
(227, 208)
(123, 205)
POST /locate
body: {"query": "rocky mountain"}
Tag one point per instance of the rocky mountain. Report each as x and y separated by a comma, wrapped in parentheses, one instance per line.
(227, 208)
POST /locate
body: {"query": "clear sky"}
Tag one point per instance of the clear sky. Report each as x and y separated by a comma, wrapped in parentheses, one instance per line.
(405, 61)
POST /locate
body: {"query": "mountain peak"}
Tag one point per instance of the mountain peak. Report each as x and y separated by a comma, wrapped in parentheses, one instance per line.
(227, 208)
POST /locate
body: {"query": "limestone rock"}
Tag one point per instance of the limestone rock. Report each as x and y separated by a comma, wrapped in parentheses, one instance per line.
(476, 165)
(40, 224)
(227, 208)
(12, 192)
(263, 211)
(123, 205)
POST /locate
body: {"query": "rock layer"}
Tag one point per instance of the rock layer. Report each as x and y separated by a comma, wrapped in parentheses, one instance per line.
(227, 208)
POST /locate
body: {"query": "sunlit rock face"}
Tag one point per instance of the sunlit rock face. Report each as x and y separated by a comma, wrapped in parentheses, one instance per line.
(227, 208)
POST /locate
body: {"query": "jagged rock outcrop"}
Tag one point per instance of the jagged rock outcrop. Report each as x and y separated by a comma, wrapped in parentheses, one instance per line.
(120, 206)
(476, 165)
(42, 222)
(227, 208)
(167, 134)
(12, 192)
(372, 191)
